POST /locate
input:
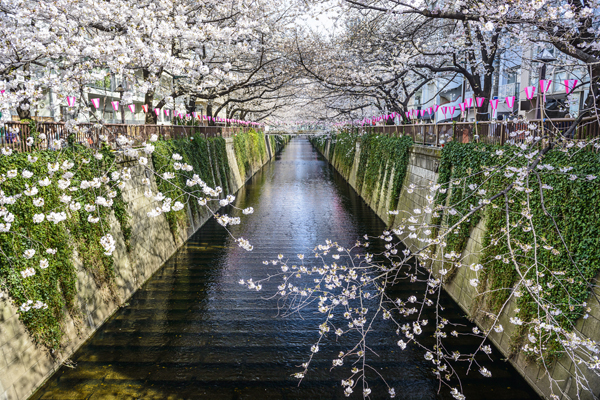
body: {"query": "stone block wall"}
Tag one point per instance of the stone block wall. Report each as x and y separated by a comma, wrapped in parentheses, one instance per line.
(24, 366)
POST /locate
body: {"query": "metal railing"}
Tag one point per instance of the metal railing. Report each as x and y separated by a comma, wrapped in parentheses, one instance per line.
(54, 135)
(491, 132)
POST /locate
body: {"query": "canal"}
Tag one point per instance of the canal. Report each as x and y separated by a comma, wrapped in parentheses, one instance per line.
(193, 332)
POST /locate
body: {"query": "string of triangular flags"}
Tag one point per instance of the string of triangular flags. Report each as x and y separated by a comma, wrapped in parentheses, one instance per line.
(115, 105)
(449, 111)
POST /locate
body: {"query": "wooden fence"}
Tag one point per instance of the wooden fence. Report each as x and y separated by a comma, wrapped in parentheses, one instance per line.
(489, 132)
(15, 134)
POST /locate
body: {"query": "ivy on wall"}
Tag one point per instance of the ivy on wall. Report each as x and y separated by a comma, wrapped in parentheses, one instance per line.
(56, 284)
(208, 157)
(343, 148)
(250, 149)
(378, 154)
(572, 207)
(277, 142)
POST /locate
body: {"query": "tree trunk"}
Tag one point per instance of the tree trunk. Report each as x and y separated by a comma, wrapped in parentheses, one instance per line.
(151, 117)
(191, 105)
(590, 104)
(209, 111)
(24, 114)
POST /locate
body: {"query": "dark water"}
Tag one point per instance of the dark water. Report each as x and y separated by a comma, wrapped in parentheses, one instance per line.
(192, 332)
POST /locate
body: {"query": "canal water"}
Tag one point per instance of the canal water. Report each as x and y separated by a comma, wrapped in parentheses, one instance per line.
(193, 332)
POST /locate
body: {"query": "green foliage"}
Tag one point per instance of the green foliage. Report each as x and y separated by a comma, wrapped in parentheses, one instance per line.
(379, 154)
(343, 147)
(250, 149)
(55, 285)
(277, 142)
(565, 270)
(209, 159)
(320, 142)
(461, 164)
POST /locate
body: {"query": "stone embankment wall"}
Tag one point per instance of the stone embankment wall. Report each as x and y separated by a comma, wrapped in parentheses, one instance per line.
(24, 366)
(422, 170)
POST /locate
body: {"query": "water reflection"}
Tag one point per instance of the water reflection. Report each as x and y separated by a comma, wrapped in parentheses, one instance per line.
(192, 332)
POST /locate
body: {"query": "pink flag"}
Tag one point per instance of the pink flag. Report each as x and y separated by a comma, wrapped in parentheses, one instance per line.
(71, 101)
(95, 103)
(479, 101)
(462, 107)
(194, 114)
(115, 105)
(529, 92)
(157, 111)
(166, 112)
(407, 114)
(545, 85)
(494, 104)
(430, 110)
(187, 115)
(422, 113)
(469, 102)
(510, 102)
(145, 108)
(132, 108)
(436, 107)
(444, 111)
(452, 109)
(570, 85)
(2, 91)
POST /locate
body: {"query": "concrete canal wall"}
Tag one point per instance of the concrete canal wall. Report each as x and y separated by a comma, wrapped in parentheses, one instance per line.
(422, 169)
(24, 366)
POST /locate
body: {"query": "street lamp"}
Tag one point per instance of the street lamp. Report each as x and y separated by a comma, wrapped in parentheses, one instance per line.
(120, 90)
(544, 57)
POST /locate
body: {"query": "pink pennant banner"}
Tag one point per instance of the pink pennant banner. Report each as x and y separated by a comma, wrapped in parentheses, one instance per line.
(529, 92)
(510, 102)
(407, 113)
(436, 107)
(145, 108)
(132, 108)
(430, 110)
(115, 105)
(187, 116)
(422, 111)
(479, 101)
(469, 102)
(494, 104)
(71, 101)
(570, 85)
(444, 111)
(157, 111)
(545, 85)
(95, 103)
(452, 110)
(167, 112)
(463, 106)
